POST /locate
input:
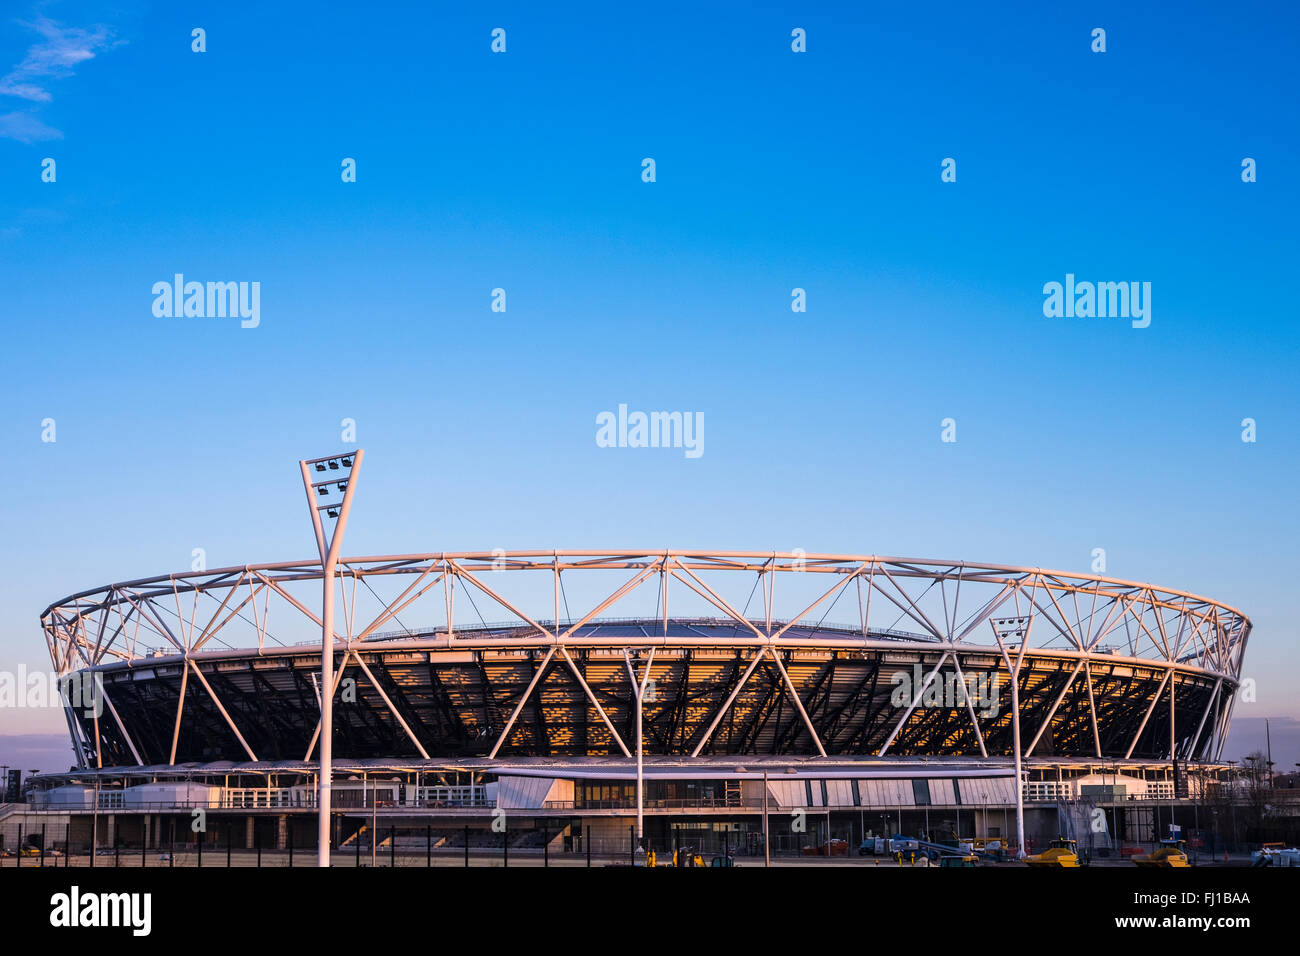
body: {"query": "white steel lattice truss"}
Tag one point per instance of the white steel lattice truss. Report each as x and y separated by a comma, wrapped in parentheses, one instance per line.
(951, 607)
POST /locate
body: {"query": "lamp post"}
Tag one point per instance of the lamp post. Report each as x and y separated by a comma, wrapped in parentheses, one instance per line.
(324, 496)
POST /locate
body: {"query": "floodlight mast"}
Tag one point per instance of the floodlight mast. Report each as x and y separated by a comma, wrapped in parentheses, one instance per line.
(638, 690)
(1016, 627)
(329, 547)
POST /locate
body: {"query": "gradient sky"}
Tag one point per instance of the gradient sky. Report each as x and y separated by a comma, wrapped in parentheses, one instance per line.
(775, 170)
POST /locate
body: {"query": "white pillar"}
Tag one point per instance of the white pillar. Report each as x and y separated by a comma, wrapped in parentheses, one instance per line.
(640, 780)
(1020, 782)
(326, 719)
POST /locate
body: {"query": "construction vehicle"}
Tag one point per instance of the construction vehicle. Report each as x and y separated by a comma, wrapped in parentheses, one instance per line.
(1059, 853)
(898, 843)
(1170, 853)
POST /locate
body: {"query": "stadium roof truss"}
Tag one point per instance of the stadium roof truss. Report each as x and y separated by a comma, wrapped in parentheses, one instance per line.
(952, 610)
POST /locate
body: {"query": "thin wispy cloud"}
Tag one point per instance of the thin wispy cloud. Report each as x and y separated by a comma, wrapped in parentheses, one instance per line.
(56, 56)
(26, 127)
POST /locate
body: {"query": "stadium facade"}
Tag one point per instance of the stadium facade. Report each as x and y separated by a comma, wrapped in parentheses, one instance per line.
(692, 689)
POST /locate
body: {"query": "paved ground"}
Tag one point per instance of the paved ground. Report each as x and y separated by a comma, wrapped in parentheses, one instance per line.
(455, 858)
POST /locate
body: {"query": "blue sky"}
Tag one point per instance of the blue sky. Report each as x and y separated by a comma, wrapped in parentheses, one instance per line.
(775, 170)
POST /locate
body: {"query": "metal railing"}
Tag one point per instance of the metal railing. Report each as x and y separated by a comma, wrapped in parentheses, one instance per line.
(308, 803)
(688, 803)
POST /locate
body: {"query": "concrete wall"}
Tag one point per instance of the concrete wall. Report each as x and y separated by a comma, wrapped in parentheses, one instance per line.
(55, 825)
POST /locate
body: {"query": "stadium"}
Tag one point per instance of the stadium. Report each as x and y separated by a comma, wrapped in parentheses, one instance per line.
(586, 697)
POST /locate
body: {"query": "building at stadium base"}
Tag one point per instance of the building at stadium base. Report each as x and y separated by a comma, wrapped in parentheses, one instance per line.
(560, 697)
